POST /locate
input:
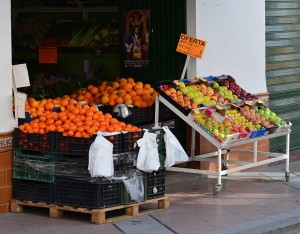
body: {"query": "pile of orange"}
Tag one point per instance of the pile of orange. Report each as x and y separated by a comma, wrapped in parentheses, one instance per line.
(76, 120)
(122, 91)
(37, 108)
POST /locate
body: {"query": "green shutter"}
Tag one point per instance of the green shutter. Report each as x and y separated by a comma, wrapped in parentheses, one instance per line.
(283, 65)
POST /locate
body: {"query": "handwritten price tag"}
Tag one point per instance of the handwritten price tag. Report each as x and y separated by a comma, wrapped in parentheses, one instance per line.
(191, 46)
(48, 55)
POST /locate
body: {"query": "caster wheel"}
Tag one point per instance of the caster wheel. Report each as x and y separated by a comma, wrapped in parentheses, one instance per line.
(287, 176)
(217, 188)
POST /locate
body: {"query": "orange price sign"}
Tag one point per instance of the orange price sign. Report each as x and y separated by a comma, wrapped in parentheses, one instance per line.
(191, 46)
(48, 55)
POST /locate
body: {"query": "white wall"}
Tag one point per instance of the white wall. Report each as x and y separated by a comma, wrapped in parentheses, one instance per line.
(6, 117)
(235, 35)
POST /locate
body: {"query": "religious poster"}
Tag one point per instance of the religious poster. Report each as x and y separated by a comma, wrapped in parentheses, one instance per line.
(136, 26)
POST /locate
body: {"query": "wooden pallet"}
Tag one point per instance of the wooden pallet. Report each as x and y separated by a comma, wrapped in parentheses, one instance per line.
(98, 216)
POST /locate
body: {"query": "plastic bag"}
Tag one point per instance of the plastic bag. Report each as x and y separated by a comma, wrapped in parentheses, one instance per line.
(135, 187)
(101, 157)
(122, 110)
(174, 151)
(148, 157)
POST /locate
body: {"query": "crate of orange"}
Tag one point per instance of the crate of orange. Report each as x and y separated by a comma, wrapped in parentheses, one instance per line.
(76, 126)
(137, 96)
(33, 141)
(129, 141)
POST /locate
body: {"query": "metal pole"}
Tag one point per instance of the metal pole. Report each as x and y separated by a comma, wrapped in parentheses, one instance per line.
(156, 116)
(287, 166)
(255, 152)
(219, 166)
(185, 66)
(193, 144)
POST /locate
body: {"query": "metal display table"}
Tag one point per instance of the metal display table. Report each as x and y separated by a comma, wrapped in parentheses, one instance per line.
(225, 149)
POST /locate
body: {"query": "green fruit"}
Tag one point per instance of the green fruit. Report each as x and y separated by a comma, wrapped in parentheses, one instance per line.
(198, 100)
(184, 89)
(215, 85)
(190, 94)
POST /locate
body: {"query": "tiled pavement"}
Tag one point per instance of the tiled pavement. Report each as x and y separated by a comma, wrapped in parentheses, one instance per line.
(250, 202)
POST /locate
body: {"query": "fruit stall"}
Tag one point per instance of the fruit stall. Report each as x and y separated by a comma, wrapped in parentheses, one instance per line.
(52, 151)
(227, 116)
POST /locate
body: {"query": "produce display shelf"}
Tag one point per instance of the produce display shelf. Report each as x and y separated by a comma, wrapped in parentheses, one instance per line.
(224, 148)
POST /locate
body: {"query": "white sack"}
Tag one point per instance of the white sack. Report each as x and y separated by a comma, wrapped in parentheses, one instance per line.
(148, 157)
(101, 157)
(174, 151)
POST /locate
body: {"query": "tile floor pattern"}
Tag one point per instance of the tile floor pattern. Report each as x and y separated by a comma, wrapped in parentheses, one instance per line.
(249, 199)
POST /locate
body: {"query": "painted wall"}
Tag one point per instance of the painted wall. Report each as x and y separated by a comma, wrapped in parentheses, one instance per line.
(6, 117)
(235, 35)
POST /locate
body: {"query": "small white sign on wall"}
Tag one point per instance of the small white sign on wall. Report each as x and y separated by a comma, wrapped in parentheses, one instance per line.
(20, 75)
(20, 104)
(20, 79)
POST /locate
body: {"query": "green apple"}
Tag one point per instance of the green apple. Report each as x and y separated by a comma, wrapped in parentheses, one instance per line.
(198, 100)
(184, 89)
(215, 85)
(190, 94)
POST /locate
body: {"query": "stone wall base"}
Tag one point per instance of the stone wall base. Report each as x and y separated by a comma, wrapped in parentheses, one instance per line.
(6, 156)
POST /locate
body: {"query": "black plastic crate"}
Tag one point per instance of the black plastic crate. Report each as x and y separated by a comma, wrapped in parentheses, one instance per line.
(124, 164)
(154, 184)
(33, 141)
(129, 140)
(165, 113)
(86, 193)
(136, 115)
(72, 166)
(81, 146)
(117, 141)
(73, 145)
(30, 190)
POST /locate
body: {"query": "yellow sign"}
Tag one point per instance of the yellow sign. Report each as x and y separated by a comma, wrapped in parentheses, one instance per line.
(191, 46)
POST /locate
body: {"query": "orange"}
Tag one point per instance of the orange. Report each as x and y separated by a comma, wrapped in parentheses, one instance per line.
(111, 103)
(147, 86)
(104, 99)
(78, 134)
(116, 84)
(113, 96)
(132, 93)
(93, 109)
(50, 121)
(58, 123)
(75, 111)
(72, 101)
(43, 118)
(130, 80)
(128, 102)
(89, 87)
(48, 106)
(122, 81)
(34, 104)
(94, 90)
(119, 100)
(127, 87)
(138, 85)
